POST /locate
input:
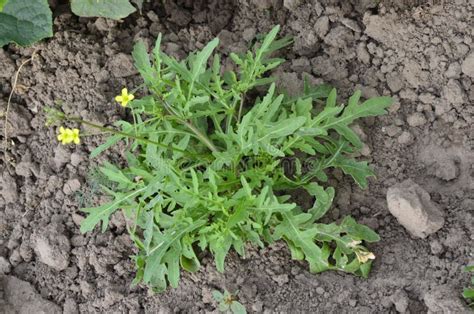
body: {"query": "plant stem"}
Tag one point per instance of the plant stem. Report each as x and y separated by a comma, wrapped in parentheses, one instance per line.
(198, 133)
(138, 138)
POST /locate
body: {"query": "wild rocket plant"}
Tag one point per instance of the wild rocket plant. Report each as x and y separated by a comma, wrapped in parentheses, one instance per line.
(207, 164)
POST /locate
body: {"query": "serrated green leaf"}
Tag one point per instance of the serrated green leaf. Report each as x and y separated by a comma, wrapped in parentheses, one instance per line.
(142, 62)
(362, 232)
(114, 139)
(358, 170)
(290, 228)
(112, 9)
(103, 212)
(323, 202)
(25, 22)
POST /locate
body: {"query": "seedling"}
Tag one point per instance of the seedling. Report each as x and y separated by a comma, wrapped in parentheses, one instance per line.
(468, 293)
(207, 164)
(228, 303)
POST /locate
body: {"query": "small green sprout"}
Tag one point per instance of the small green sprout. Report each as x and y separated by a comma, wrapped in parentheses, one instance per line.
(468, 293)
(228, 303)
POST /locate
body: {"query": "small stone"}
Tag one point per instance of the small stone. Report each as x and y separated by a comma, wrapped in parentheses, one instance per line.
(121, 65)
(261, 4)
(101, 24)
(454, 70)
(71, 186)
(61, 157)
(77, 219)
(400, 300)
(453, 92)
(406, 138)
(444, 299)
(291, 4)
(9, 188)
(21, 297)
(23, 169)
(416, 119)
(5, 266)
(320, 290)
(352, 302)
(281, 279)
(365, 150)
(322, 26)
(249, 33)
(468, 65)
(52, 247)
(394, 82)
(436, 247)
(413, 208)
(362, 53)
(70, 306)
(393, 130)
(351, 24)
(15, 257)
(446, 169)
(339, 37)
(301, 65)
(76, 159)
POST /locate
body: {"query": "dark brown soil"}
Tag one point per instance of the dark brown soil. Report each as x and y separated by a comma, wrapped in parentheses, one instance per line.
(422, 54)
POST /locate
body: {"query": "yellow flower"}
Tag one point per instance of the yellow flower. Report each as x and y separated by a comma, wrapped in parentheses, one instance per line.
(125, 98)
(67, 136)
(364, 256)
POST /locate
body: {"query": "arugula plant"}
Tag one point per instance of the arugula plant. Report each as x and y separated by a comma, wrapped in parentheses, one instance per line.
(205, 165)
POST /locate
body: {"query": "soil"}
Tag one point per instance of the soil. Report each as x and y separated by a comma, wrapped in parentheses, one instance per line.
(419, 52)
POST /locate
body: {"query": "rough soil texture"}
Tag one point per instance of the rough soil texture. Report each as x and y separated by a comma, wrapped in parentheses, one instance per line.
(421, 54)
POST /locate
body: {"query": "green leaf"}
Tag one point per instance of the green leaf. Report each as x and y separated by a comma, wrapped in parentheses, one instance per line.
(112, 9)
(468, 293)
(198, 65)
(2, 4)
(103, 212)
(358, 170)
(282, 128)
(142, 62)
(323, 202)
(362, 232)
(110, 142)
(25, 22)
(237, 308)
(217, 295)
(115, 175)
(291, 228)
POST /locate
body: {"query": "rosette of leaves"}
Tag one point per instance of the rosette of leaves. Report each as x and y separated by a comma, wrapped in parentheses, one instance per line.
(215, 182)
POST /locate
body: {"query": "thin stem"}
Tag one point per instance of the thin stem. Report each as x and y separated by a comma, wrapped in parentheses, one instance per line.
(138, 138)
(242, 99)
(15, 81)
(202, 137)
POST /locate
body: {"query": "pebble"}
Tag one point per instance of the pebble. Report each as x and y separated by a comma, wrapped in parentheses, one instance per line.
(467, 66)
(406, 138)
(71, 186)
(5, 266)
(121, 65)
(413, 208)
(52, 247)
(416, 119)
(320, 290)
